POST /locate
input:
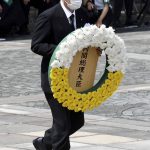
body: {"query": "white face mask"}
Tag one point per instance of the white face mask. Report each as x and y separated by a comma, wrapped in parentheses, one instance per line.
(74, 4)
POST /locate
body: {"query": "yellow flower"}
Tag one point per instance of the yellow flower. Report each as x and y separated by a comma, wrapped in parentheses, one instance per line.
(66, 72)
(110, 75)
(78, 96)
(98, 103)
(91, 107)
(118, 75)
(104, 86)
(55, 88)
(94, 94)
(52, 76)
(57, 95)
(65, 95)
(108, 82)
(54, 70)
(61, 99)
(80, 104)
(70, 90)
(54, 82)
(65, 104)
(83, 96)
(77, 101)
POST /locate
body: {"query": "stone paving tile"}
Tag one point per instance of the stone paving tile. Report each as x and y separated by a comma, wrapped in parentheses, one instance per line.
(134, 88)
(18, 69)
(122, 125)
(137, 65)
(130, 122)
(95, 128)
(102, 139)
(9, 139)
(135, 56)
(117, 131)
(140, 145)
(29, 111)
(133, 79)
(6, 148)
(2, 114)
(75, 135)
(36, 133)
(13, 111)
(27, 146)
(98, 148)
(22, 99)
(74, 145)
(94, 131)
(45, 123)
(130, 105)
(3, 123)
(13, 118)
(20, 128)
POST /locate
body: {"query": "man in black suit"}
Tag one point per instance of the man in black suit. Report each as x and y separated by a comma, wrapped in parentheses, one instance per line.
(51, 27)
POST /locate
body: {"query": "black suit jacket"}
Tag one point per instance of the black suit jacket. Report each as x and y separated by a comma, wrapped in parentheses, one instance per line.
(51, 27)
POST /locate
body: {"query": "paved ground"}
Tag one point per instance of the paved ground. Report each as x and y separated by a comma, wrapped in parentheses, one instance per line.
(121, 123)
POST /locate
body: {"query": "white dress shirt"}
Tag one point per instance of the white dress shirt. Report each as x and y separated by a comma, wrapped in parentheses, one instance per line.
(68, 13)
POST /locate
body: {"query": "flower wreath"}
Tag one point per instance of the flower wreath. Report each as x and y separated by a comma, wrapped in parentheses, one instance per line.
(90, 35)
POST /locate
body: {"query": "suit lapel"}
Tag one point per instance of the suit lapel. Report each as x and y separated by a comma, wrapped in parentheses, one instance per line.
(63, 18)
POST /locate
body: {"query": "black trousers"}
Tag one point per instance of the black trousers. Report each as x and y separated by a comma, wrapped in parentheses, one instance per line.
(65, 123)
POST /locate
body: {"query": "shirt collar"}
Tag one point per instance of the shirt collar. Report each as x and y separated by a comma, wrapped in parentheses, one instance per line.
(67, 12)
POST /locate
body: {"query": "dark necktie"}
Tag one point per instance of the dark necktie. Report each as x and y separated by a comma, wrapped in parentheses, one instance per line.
(72, 22)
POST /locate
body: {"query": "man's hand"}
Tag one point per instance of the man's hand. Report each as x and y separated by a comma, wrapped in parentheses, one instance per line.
(103, 15)
(1, 8)
(98, 23)
(90, 6)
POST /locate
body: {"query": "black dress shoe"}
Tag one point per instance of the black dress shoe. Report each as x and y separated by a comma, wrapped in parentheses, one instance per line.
(40, 145)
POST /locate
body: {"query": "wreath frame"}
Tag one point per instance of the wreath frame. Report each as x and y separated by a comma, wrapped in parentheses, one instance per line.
(105, 87)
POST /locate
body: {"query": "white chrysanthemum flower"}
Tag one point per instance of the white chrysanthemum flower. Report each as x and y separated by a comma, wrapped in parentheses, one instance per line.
(111, 68)
(71, 37)
(93, 36)
(56, 64)
(87, 25)
(108, 50)
(77, 32)
(58, 55)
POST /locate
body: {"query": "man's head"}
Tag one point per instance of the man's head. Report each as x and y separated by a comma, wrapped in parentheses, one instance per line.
(72, 4)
